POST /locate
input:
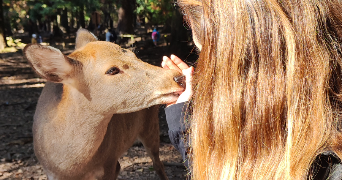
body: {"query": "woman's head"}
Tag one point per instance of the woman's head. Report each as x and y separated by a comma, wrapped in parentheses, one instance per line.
(267, 86)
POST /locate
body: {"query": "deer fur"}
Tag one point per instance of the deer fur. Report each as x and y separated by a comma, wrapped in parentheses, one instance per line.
(86, 118)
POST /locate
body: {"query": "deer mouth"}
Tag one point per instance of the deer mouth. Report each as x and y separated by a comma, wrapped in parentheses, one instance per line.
(177, 93)
(173, 94)
(172, 97)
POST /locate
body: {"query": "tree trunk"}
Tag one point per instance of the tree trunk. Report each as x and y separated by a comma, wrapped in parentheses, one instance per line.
(81, 16)
(3, 42)
(179, 38)
(126, 17)
(64, 20)
(72, 20)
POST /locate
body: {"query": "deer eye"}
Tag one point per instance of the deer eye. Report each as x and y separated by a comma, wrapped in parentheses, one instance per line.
(113, 71)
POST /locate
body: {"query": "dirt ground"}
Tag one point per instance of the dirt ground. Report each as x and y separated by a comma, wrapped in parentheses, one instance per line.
(20, 88)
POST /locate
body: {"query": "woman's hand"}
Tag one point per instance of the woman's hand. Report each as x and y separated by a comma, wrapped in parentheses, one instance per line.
(177, 64)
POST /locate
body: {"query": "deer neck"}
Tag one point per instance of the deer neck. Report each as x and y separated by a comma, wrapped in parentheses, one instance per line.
(72, 130)
(77, 111)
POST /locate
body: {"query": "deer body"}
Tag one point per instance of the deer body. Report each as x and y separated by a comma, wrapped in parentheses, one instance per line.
(100, 99)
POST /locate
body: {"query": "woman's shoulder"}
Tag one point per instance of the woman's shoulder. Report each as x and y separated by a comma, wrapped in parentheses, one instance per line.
(327, 165)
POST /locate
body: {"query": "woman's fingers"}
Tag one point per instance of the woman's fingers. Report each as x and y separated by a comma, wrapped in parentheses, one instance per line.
(169, 64)
(174, 63)
(179, 63)
(164, 64)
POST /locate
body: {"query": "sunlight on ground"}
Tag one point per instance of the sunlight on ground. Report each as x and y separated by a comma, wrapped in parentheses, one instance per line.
(10, 83)
(13, 45)
(15, 72)
(9, 49)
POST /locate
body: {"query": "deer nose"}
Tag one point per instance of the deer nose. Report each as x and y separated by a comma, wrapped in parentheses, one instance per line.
(180, 80)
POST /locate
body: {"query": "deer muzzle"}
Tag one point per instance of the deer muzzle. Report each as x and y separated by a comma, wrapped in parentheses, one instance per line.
(180, 80)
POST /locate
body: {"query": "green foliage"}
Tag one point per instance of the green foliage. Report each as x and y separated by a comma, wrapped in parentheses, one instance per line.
(90, 5)
(17, 13)
(41, 9)
(157, 11)
(9, 12)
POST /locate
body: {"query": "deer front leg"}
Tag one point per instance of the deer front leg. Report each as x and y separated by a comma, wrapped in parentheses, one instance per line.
(151, 143)
(112, 169)
(153, 152)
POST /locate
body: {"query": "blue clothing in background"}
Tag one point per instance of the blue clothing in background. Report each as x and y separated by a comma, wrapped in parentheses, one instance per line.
(155, 35)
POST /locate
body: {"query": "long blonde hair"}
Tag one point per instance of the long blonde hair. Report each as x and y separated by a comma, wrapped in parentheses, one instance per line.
(267, 87)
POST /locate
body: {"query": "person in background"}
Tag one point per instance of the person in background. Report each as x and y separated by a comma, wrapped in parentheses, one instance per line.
(111, 35)
(108, 35)
(34, 39)
(266, 100)
(155, 36)
(114, 36)
(39, 39)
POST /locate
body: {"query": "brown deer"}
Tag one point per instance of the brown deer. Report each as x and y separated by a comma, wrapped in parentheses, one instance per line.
(97, 101)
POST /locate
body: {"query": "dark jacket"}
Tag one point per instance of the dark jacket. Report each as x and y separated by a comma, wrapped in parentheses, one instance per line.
(176, 118)
(326, 165)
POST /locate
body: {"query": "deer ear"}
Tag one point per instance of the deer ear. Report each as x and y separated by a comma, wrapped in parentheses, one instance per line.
(84, 37)
(49, 62)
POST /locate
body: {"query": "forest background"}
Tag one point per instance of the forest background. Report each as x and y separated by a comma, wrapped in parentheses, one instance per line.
(56, 20)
